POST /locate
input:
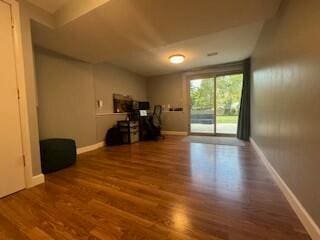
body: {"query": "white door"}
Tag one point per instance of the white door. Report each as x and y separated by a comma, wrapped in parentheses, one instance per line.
(11, 161)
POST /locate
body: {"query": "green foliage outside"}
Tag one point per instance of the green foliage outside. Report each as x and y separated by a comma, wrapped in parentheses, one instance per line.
(228, 95)
(227, 119)
(202, 94)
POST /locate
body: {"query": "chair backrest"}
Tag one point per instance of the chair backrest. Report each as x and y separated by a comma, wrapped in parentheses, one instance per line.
(157, 111)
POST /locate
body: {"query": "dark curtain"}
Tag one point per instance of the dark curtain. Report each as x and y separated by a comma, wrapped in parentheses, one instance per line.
(243, 132)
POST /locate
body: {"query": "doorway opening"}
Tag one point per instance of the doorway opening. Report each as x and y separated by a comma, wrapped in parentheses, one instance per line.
(215, 104)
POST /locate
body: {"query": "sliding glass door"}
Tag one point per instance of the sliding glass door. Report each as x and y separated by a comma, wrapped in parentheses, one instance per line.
(228, 97)
(215, 104)
(202, 102)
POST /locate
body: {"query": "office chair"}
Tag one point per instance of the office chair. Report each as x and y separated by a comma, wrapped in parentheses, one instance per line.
(157, 111)
(154, 123)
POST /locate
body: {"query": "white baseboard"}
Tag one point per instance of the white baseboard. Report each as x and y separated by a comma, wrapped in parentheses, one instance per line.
(36, 180)
(90, 148)
(307, 221)
(39, 179)
(174, 133)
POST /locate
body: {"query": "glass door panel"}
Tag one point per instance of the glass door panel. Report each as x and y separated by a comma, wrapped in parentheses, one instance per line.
(202, 102)
(228, 97)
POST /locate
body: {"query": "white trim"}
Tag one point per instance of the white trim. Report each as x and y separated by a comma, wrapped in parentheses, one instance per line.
(36, 180)
(90, 148)
(21, 82)
(301, 212)
(107, 114)
(174, 133)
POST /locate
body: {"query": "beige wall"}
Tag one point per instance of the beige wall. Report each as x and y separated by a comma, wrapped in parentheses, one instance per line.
(110, 79)
(169, 89)
(285, 98)
(66, 104)
(68, 90)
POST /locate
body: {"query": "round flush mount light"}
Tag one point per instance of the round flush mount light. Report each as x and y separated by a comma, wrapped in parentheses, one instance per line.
(177, 59)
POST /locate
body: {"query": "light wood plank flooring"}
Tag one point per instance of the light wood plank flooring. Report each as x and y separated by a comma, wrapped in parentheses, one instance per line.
(155, 190)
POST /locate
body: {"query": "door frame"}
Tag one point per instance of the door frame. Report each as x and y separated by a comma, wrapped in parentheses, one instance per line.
(214, 76)
(22, 91)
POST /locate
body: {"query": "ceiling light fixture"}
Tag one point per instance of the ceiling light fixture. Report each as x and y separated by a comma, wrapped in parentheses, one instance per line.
(177, 59)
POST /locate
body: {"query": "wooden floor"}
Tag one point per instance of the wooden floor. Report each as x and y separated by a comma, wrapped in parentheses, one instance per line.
(155, 190)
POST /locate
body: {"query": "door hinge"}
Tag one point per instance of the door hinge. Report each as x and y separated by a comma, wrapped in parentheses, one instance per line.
(12, 21)
(24, 160)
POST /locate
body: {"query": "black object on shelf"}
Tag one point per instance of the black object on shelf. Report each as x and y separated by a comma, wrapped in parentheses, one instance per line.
(144, 105)
(57, 154)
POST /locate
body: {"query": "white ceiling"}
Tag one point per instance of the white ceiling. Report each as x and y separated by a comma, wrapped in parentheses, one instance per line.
(50, 6)
(233, 44)
(140, 35)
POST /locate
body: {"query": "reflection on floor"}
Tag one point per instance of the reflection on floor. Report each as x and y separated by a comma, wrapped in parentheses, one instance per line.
(155, 190)
(226, 128)
(231, 141)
